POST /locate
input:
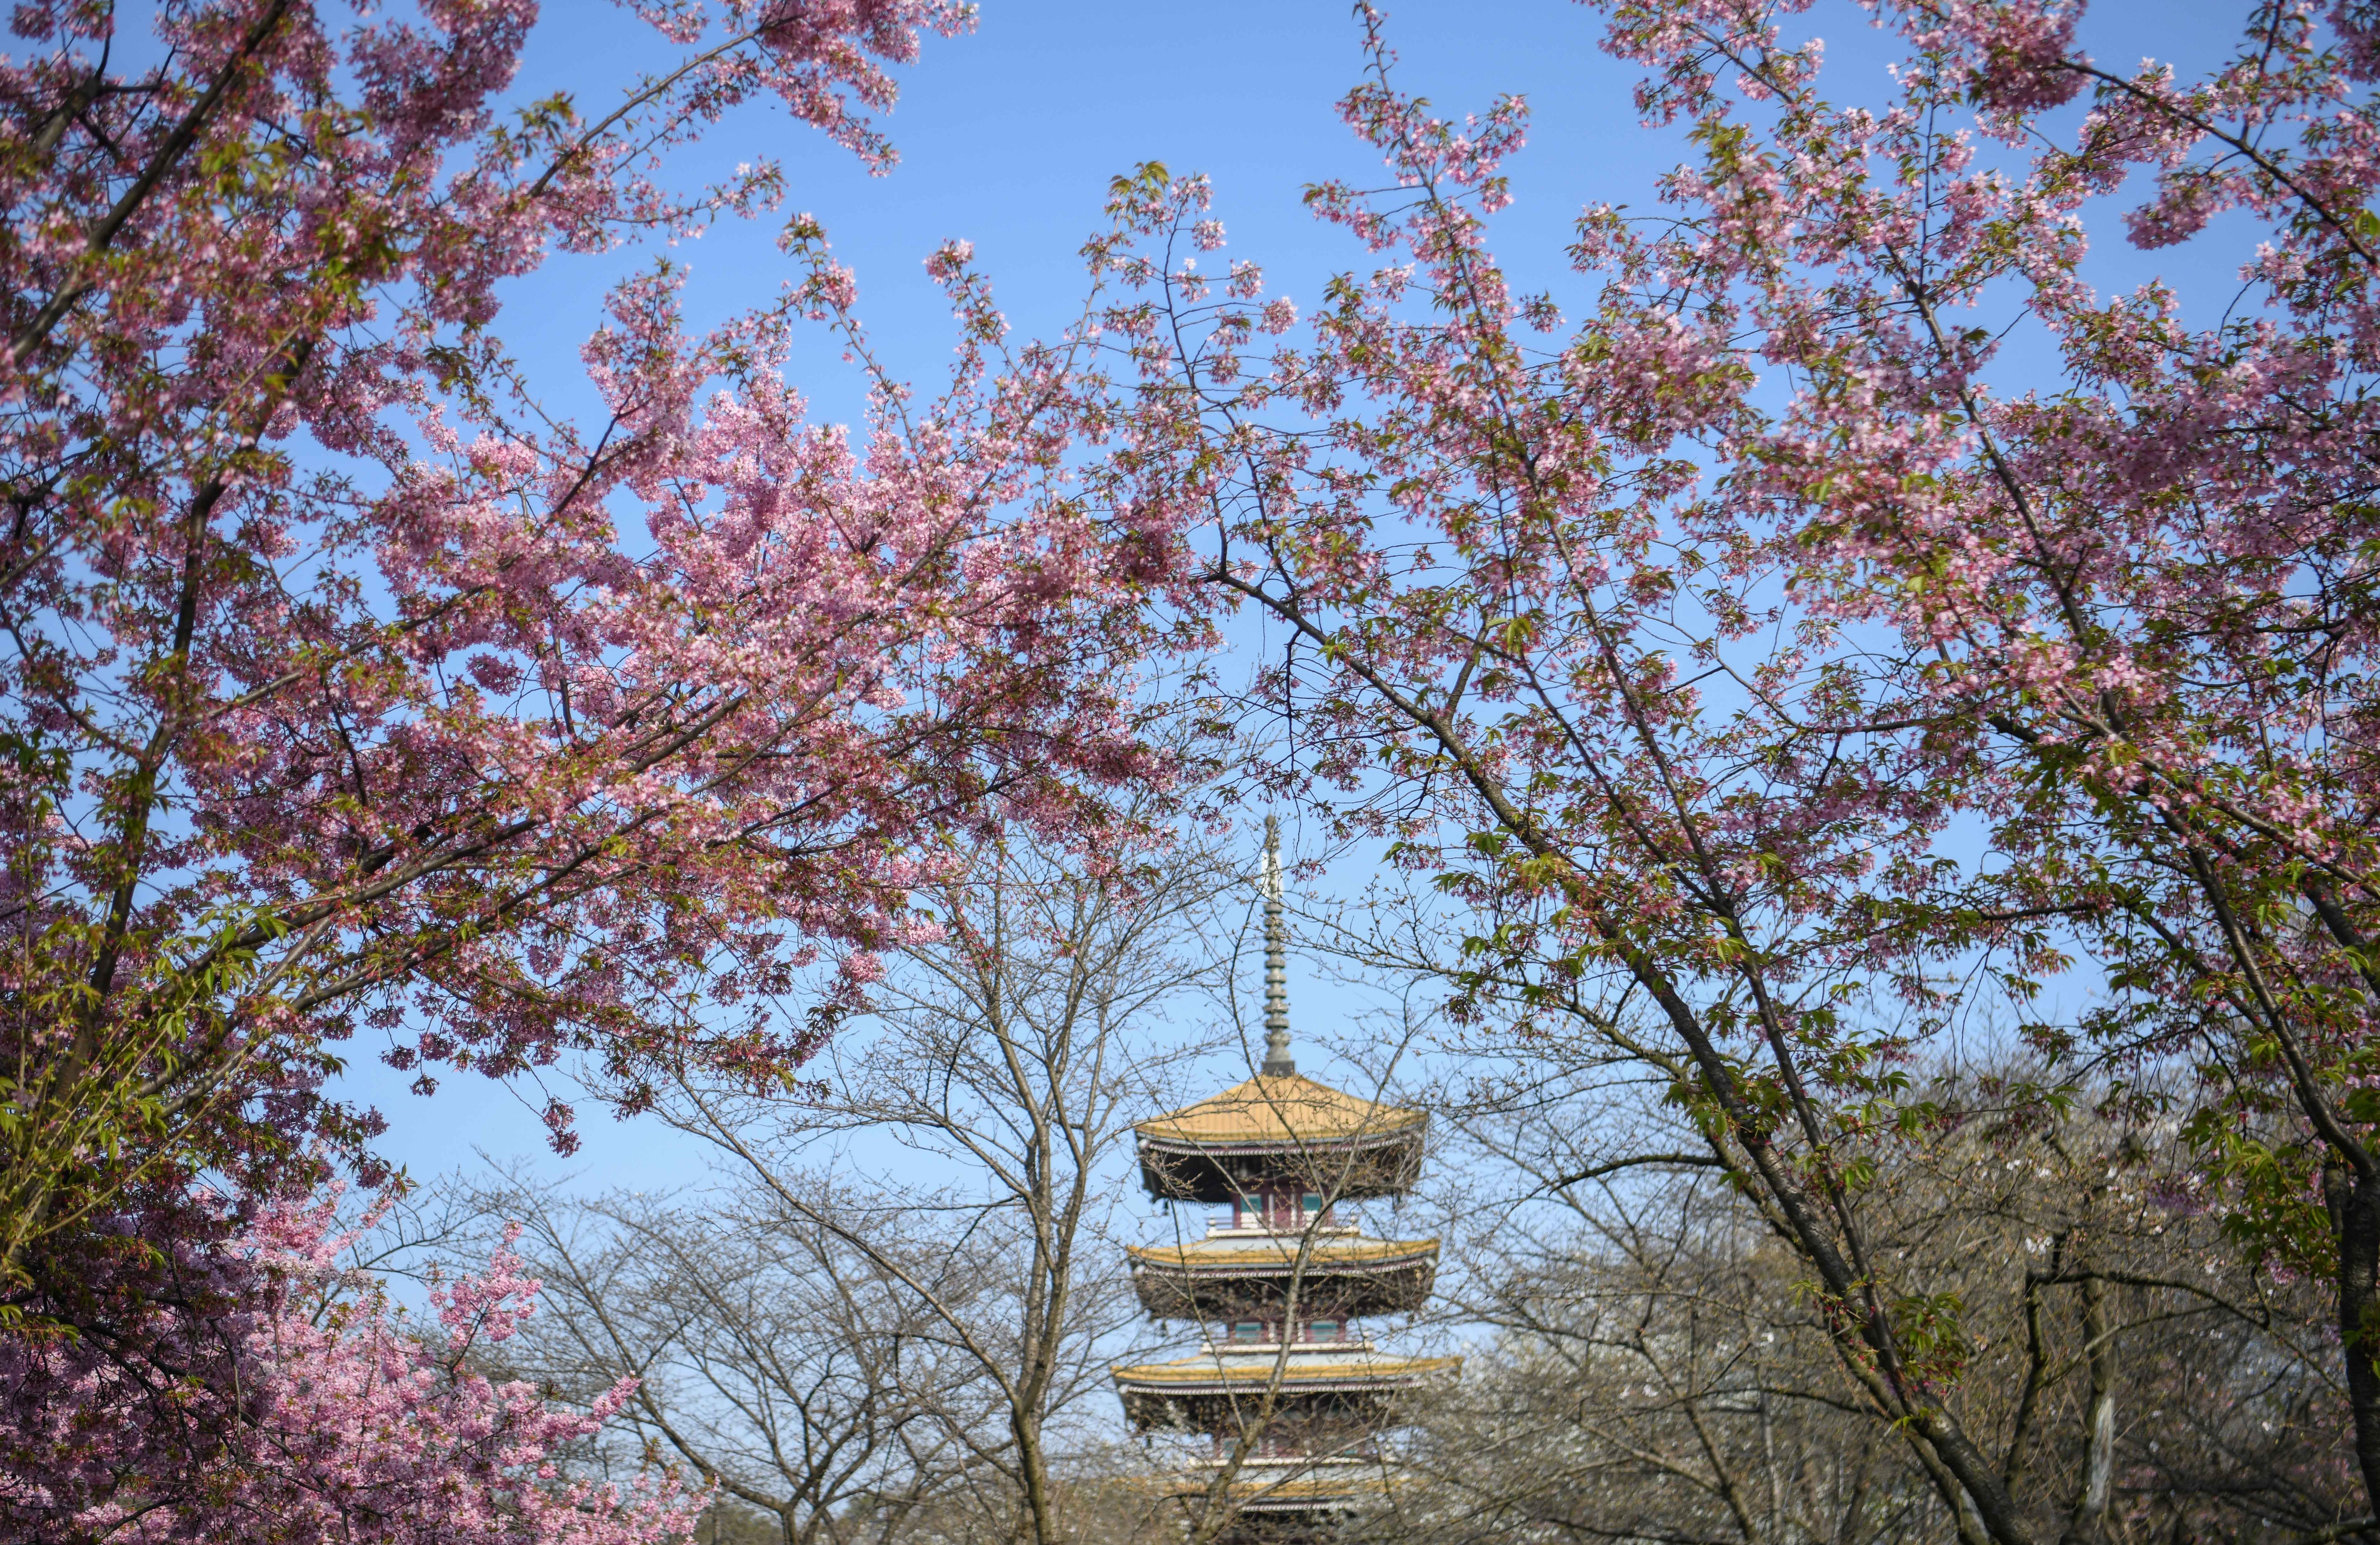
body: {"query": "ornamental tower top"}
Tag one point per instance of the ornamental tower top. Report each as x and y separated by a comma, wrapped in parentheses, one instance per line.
(1277, 1062)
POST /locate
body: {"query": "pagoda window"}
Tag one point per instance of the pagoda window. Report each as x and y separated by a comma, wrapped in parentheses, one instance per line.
(1248, 1330)
(1322, 1330)
(1313, 1207)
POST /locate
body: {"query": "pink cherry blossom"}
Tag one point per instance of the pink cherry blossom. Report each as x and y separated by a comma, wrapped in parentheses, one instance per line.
(357, 701)
(267, 1396)
(1779, 679)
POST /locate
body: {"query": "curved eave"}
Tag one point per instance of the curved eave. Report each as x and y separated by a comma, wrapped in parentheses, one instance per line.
(1326, 1372)
(1374, 1129)
(1184, 1284)
(1279, 1252)
(1348, 1167)
(1212, 1393)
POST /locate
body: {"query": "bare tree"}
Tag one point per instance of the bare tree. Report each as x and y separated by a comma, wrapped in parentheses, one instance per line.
(782, 1366)
(1659, 1368)
(964, 1147)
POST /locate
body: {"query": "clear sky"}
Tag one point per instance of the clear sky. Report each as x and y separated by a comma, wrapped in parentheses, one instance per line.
(1008, 136)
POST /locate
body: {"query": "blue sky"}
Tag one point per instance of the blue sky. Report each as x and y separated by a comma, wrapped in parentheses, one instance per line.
(1008, 136)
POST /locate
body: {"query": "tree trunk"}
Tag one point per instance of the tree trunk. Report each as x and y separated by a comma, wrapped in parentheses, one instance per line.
(2354, 1203)
(1040, 1524)
(2089, 1524)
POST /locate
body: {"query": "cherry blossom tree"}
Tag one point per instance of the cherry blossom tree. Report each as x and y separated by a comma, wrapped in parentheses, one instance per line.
(2131, 607)
(350, 688)
(324, 1415)
(1691, 645)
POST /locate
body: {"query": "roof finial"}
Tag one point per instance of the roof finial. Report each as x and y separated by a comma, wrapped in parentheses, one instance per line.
(1277, 1060)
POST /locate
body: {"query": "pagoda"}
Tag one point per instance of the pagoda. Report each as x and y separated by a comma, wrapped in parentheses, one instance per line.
(1278, 1288)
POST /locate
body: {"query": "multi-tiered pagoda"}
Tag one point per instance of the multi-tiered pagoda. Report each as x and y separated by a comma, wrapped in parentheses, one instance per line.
(1277, 1289)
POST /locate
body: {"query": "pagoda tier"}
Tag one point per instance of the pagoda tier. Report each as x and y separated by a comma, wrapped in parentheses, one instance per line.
(1315, 1386)
(1240, 1273)
(1276, 1128)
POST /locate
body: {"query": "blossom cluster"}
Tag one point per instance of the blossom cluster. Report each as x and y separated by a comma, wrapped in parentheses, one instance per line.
(268, 1394)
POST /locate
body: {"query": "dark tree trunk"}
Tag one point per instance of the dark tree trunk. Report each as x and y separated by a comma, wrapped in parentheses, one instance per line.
(2354, 1202)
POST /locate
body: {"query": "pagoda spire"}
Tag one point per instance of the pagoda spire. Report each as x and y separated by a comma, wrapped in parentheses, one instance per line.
(1277, 1060)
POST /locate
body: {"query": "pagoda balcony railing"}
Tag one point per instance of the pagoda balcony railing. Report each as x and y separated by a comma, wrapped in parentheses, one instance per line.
(1244, 1348)
(1259, 1230)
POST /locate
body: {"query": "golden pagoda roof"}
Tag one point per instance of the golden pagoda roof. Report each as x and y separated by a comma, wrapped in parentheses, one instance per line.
(1256, 1366)
(1278, 1251)
(1285, 1108)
